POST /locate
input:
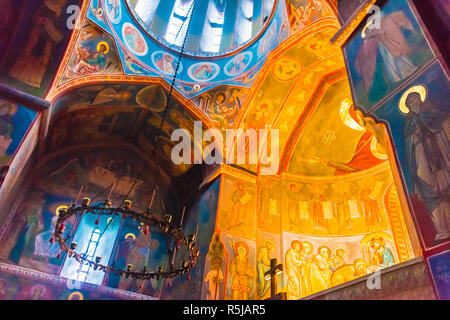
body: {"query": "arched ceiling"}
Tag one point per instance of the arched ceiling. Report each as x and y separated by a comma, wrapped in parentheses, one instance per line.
(287, 92)
(142, 55)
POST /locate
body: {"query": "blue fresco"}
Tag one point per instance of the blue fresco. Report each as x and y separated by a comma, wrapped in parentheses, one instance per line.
(14, 123)
(203, 217)
(383, 59)
(137, 57)
(418, 120)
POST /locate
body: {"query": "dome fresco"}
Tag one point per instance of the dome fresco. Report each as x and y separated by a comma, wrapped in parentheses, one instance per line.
(148, 46)
(220, 26)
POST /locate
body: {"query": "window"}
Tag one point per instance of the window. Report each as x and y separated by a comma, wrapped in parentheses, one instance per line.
(179, 21)
(93, 241)
(268, 8)
(213, 29)
(244, 23)
(83, 272)
(145, 9)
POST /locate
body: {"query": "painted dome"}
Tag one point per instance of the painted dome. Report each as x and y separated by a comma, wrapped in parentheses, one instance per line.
(220, 26)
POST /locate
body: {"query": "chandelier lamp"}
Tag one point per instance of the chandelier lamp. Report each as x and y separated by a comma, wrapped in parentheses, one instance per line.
(147, 219)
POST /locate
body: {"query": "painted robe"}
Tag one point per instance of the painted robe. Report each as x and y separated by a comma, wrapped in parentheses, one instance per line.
(427, 150)
(394, 50)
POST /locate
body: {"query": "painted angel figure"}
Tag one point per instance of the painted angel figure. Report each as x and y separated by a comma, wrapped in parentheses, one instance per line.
(390, 42)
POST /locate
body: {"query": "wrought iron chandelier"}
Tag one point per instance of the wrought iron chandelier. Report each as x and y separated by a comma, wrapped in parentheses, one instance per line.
(147, 219)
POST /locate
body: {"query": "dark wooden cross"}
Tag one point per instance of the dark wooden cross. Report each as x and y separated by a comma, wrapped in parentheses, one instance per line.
(272, 275)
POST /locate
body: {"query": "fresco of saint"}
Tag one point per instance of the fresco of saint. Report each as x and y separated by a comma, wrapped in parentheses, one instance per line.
(382, 257)
(214, 279)
(392, 46)
(263, 265)
(45, 34)
(428, 153)
(294, 270)
(240, 199)
(241, 273)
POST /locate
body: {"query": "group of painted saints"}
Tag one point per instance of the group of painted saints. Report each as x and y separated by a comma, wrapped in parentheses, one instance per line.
(308, 273)
(343, 205)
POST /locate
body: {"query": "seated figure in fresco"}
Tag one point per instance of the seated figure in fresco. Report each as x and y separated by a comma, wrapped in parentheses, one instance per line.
(349, 272)
(263, 265)
(220, 110)
(367, 154)
(293, 270)
(89, 62)
(241, 273)
(382, 256)
(214, 279)
(427, 150)
(321, 270)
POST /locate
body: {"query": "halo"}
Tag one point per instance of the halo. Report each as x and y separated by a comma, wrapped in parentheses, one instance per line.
(76, 293)
(421, 90)
(369, 22)
(344, 112)
(130, 235)
(374, 150)
(59, 208)
(243, 245)
(106, 45)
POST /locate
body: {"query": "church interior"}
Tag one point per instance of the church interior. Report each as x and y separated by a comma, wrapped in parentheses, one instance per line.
(349, 97)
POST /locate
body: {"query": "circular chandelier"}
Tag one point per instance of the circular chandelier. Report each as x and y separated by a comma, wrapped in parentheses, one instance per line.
(146, 218)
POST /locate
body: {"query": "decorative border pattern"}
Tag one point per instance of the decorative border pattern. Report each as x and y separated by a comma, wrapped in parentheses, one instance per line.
(40, 276)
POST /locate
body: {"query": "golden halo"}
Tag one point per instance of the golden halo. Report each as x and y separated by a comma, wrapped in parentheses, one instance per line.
(76, 293)
(369, 22)
(375, 151)
(59, 208)
(130, 235)
(421, 90)
(106, 45)
(344, 113)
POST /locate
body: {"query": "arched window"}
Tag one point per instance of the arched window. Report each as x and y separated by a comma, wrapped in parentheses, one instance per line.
(179, 21)
(244, 24)
(93, 240)
(268, 8)
(213, 29)
(146, 9)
